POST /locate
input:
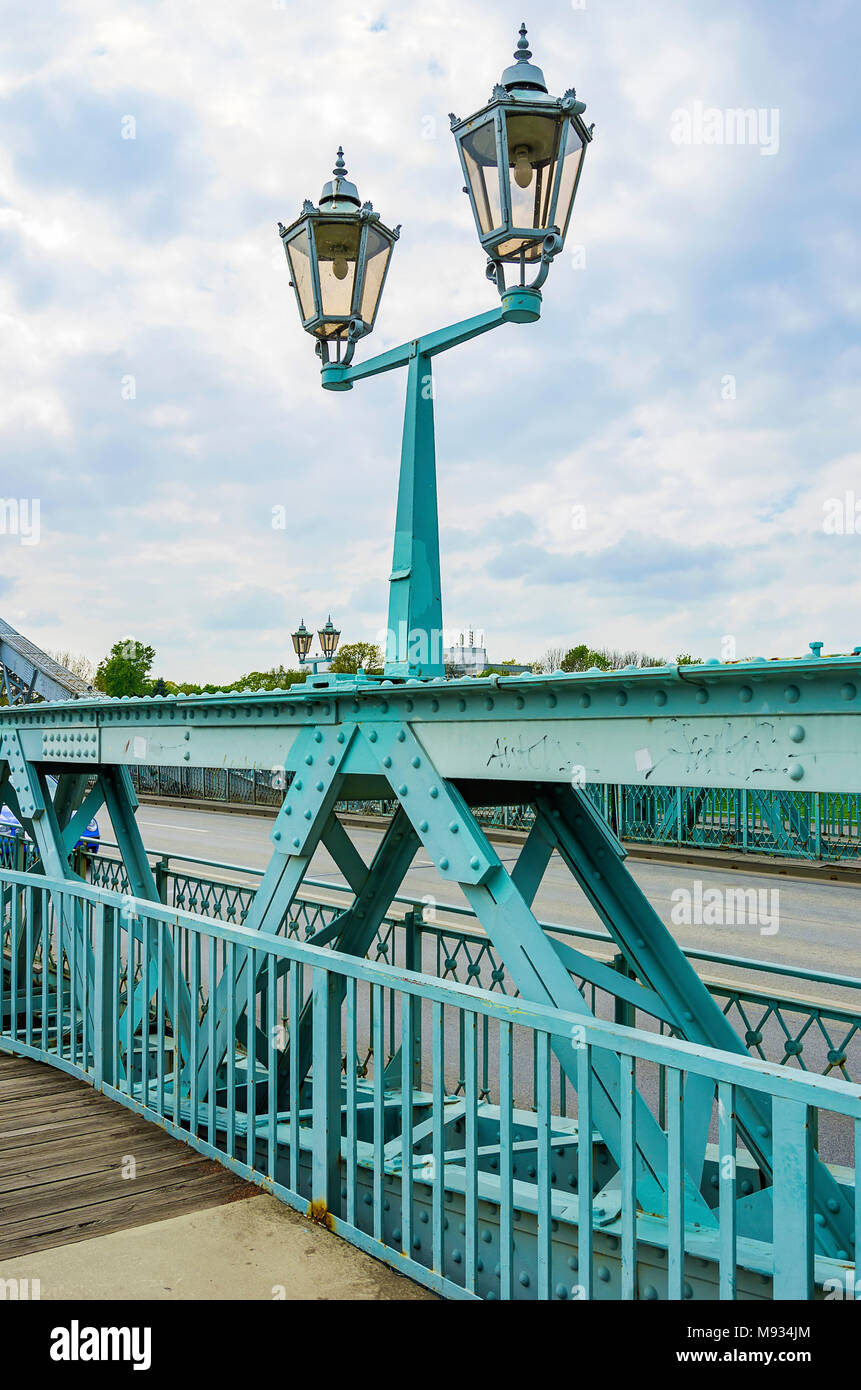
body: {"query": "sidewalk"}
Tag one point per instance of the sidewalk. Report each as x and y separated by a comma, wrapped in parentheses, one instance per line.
(252, 1249)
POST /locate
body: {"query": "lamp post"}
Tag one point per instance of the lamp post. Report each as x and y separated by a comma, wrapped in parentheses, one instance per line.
(522, 156)
(329, 636)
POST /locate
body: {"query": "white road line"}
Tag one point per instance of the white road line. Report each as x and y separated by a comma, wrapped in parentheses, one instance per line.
(166, 825)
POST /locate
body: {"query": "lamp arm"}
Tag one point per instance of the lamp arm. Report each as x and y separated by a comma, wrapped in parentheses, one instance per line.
(340, 376)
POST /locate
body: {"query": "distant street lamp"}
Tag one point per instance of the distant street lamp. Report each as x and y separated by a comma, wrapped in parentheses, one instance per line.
(522, 156)
(329, 637)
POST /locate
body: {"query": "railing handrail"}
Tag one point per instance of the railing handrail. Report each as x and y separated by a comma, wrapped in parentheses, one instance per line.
(841, 1097)
(823, 977)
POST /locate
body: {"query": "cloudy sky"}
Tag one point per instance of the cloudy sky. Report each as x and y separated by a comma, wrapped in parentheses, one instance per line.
(692, 386)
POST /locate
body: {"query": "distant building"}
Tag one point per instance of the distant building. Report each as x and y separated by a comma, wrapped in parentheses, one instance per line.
(468, 657)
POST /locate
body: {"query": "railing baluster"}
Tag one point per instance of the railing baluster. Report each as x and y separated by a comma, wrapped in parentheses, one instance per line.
(211, 996)
(161, 929)
(584, 1170)
(545, 1232)
(229, 969)
(194, 989)
(727, 1159)
(379, 1109)
(296, 979)
(272, 1058)
(407, 1043)
(145, 1000)
(628, 1175)
(438, 1084)
(675, 1183)
(351, 1089)
(250, 1057)
(791, 1199)
(471, 1147)
(506, 1161)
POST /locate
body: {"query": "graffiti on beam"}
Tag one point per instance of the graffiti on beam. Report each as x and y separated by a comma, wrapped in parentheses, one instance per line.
(523, 755)
(724, 752)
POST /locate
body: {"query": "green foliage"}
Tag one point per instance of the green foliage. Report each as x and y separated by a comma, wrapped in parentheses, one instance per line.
(355, 654)
(685, 659)
(580, 658)
(125, 669)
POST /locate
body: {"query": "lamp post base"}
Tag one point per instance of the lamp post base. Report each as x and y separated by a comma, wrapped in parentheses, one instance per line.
(521, 305)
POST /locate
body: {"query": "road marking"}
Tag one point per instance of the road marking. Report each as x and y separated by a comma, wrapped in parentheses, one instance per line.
(166, 825)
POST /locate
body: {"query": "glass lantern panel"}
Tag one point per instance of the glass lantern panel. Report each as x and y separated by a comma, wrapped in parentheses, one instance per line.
(568, 181)
(533, 148)
(337, 246)
(482, 169)
(299, 260)
(376, 259)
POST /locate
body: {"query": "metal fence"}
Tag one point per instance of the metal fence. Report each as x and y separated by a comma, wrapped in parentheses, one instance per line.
(772, 1006)
(473, 1200)
(795, 825)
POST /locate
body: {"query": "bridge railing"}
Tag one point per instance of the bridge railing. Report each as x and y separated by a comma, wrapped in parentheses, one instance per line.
(472, 1200)
(780, 1019)
(794, 825)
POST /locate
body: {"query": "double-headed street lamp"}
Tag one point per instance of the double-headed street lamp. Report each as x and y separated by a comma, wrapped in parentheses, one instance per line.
(329, 636)
(522, 156)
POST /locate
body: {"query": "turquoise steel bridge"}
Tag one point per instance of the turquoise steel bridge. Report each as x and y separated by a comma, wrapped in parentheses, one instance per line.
(497, 1108)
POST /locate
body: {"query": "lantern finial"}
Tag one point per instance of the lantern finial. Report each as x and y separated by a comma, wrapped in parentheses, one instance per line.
(523, 75)
(340, 170)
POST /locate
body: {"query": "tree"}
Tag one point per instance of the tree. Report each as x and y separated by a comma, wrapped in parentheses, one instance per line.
(685, 659)
(125, 669)
(159, 687)
(552, 659)
(77, 663)
(581, 658)
(355, 654)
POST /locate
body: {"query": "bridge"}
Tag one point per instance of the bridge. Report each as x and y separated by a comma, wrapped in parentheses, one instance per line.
(385, 1101)
(492, 1106)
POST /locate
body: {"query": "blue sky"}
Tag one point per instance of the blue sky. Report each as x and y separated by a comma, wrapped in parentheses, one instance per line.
(156, 258)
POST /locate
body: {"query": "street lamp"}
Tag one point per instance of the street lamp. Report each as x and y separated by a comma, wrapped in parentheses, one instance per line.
(338, 254)
(329, 637)
(522, 156)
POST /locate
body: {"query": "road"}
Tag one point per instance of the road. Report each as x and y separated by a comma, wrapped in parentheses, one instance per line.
(818, 924)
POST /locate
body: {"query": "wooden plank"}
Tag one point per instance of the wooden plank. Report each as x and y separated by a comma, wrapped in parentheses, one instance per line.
(62, 1149)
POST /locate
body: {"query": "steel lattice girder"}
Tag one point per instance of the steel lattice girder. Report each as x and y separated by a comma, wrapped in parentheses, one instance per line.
(770, 725)
(439, 746)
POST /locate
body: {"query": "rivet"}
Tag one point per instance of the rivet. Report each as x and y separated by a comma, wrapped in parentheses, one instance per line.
(796, 733)
(417, 762)
(848, 691)
(621, 698)
(791, 694)
(796, 772)
(387, 762)
(443, 863)
(309, 758)
(745, 694)
(660, 697)
(434, 792)
(373, 736)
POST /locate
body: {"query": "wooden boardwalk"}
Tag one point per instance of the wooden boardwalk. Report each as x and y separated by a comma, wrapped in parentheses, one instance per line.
(63, 1151)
